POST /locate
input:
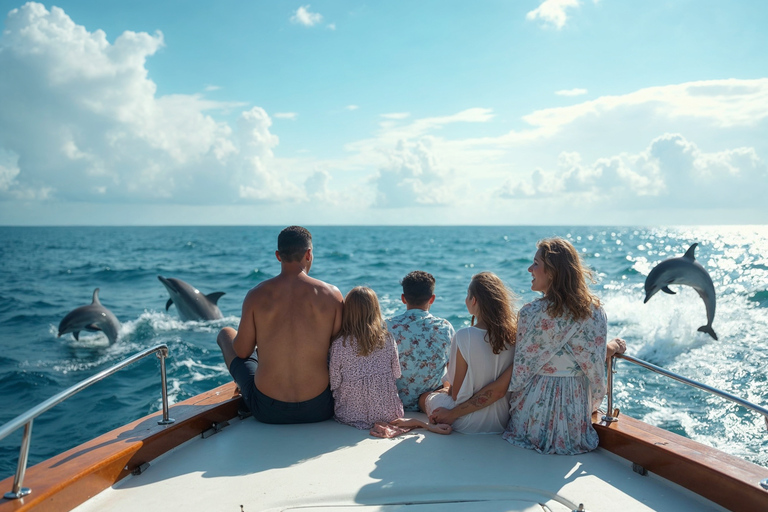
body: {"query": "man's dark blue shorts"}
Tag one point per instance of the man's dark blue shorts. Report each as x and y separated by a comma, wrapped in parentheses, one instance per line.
(269, 410)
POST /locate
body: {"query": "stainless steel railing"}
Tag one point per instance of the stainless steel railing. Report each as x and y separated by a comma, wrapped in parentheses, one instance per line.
(28, 417)
(612, 414)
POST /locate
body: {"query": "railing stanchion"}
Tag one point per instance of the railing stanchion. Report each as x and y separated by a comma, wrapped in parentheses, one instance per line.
(164, 383)
(25, 420)
(18, 491)
(610, 415)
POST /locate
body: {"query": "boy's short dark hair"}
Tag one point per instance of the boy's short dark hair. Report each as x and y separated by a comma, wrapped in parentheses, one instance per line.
(418, 287)
(292, 243)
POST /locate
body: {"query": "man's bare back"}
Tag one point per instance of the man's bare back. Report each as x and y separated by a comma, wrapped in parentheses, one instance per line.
(291, 320)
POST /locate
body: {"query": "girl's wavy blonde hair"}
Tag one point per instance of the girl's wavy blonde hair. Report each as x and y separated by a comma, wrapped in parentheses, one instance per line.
(568, 291)
(495, 303)
(361, 320)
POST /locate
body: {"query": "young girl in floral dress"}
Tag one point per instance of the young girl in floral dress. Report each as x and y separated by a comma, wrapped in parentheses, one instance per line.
(364, 365)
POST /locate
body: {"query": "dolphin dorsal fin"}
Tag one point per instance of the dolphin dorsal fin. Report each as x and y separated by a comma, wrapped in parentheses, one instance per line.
(168, 304)
(689, 253)
(95, 297)
(214, 297)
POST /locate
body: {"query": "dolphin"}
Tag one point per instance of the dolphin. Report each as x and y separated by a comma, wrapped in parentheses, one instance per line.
(93, 317)
(190, 303)
(684, 270)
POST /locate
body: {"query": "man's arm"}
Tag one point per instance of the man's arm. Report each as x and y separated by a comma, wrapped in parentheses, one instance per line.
(245, 341)
(339, 308)
(480, 400)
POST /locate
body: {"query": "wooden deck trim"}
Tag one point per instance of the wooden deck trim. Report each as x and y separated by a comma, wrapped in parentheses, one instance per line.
(724, 479)
(67, 480)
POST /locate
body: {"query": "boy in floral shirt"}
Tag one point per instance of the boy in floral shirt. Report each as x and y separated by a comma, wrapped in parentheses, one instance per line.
(423, 341)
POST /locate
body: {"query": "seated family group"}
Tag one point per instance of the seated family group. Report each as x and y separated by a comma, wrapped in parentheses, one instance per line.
(303, 353)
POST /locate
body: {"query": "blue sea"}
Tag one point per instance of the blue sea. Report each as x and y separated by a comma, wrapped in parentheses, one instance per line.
(46, 272)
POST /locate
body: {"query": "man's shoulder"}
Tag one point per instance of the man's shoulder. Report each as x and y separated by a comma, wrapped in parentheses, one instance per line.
(325, 288)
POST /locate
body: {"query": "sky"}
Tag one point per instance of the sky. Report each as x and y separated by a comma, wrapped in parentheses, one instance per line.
(524, 112)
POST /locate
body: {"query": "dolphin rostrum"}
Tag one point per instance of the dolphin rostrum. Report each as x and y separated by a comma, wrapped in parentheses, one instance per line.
(93, 317)
(190, 303)
(684, 270)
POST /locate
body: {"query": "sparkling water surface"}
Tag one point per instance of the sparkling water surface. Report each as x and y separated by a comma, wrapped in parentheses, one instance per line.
(47, 272)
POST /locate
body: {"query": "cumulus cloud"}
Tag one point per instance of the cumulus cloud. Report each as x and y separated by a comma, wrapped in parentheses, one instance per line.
(671, 172)
(83, 121)
(571, 92)
(413, 176)
(303, 16)
(552, 12)
(317, 189)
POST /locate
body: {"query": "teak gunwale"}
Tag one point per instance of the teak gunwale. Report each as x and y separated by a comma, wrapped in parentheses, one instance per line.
(71, 478)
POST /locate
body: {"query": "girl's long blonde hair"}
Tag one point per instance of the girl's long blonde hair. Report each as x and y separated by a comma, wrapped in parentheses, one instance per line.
(495, 303)
(361, 320)
(568, 290)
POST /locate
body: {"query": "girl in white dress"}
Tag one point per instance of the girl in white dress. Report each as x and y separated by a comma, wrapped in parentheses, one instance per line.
(479, 354)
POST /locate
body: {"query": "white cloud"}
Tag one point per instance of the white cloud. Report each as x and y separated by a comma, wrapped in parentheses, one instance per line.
(286, 115)
(331, 26)
(571, 92)
(725, 102)
(84, 121)
(316, 188)
(397, 115)
(552, 12)
(210, 88)
(710, 106)
(414, 177)
(303, 16)
(351, 107)
(671, 172)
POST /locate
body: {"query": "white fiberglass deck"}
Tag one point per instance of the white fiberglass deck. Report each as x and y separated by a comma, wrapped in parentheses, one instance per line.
(328, 466)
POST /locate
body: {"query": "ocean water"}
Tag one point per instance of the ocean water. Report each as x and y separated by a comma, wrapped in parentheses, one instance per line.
(46, 272)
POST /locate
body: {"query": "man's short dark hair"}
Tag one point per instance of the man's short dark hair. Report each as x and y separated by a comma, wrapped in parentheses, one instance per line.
(418, 287)
(292, 243)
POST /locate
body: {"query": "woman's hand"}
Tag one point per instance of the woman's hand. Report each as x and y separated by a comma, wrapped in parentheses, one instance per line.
(442, 415)
(615, 346)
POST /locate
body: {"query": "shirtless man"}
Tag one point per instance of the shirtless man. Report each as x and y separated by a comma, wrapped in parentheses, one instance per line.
(289, 321)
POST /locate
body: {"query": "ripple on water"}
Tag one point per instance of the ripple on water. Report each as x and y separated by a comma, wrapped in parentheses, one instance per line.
(759, 298)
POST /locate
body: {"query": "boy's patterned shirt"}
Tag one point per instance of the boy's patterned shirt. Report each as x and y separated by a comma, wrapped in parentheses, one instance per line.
(423, 342)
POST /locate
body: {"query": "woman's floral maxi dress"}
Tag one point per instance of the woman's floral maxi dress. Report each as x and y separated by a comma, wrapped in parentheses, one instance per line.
(557, 381)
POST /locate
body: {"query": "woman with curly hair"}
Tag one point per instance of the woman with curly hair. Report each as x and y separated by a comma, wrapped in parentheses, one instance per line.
(479, 354)
(559, 373)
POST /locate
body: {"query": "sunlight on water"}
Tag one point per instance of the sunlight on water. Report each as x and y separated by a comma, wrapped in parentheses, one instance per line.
(35, 295)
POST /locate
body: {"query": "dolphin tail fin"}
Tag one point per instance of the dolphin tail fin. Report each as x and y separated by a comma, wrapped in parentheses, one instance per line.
(689, 253)
(708, 329)
(667, 290)
(95, 297)
(168, 304)
(214, 297)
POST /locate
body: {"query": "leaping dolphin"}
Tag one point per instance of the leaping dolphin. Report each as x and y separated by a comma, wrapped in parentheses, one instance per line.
(190, 303)
(93, 317)
(684, 270)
